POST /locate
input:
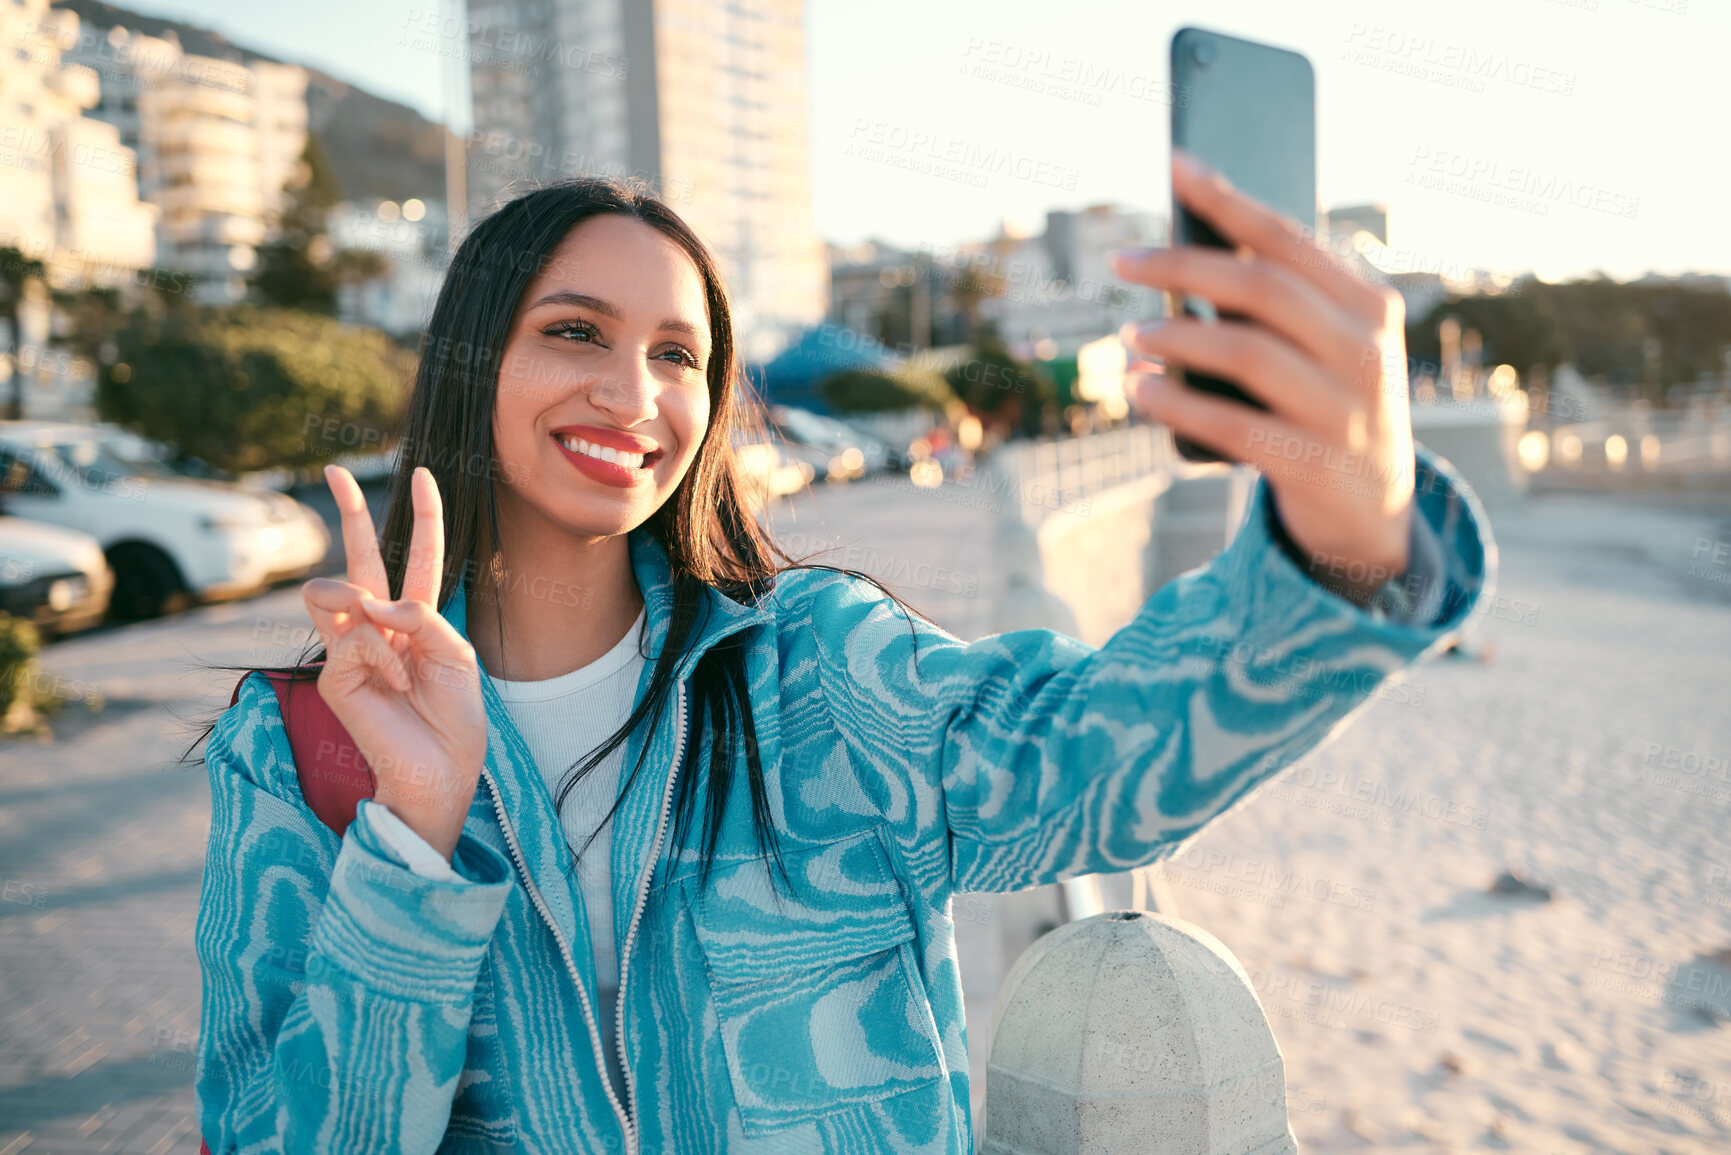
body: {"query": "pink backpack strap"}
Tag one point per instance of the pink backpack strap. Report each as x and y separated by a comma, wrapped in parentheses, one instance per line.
(334, 776)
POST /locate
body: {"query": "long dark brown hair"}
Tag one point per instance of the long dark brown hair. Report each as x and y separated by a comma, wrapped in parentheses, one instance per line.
(711, 538)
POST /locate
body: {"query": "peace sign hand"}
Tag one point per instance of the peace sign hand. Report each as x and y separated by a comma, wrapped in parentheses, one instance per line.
(399, 676)
(1325, 351)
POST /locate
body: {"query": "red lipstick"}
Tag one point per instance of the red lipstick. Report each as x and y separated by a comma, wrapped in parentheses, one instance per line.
(609, 472)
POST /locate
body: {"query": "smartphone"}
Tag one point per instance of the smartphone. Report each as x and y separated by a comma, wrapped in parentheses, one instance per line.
(1247, 110)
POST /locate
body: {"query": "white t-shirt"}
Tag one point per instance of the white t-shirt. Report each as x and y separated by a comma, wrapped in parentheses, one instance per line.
(563, 720)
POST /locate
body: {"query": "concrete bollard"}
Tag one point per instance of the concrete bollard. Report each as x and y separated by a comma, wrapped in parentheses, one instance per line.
(1132, 1032)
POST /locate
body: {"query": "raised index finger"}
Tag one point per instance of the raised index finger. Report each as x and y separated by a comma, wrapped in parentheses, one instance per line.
(421, 577)
(360, 540)
(1244, 220)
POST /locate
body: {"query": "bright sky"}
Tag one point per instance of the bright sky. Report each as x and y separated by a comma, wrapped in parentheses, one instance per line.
(1560, 136)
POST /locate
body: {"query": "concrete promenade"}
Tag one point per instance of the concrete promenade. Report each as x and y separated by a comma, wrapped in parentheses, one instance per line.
(1416, 1011)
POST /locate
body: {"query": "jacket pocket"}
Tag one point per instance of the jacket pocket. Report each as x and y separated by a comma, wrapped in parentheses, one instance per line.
(817, 993)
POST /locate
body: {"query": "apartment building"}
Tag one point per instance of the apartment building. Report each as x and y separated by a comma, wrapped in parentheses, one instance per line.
(703, 100)
(68, 182)
(217, 141)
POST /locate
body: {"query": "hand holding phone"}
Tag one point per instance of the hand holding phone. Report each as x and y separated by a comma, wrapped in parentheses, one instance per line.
(1248, 111)
(1320, 352)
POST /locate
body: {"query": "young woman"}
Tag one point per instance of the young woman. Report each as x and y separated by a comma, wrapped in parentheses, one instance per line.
(666, 830)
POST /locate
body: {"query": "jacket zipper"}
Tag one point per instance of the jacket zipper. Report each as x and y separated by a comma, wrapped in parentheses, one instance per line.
(635, 1135)
(564, 948)
(632, 1139)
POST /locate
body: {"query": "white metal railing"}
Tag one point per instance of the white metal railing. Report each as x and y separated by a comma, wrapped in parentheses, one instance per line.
(1634, 440)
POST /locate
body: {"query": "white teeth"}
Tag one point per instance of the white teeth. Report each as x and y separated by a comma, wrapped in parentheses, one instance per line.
(603, 453)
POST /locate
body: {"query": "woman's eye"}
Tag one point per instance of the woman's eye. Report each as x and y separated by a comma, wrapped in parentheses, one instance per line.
(571, 330)
(682, 356)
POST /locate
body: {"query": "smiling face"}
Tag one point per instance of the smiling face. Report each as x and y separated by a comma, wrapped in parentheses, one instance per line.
(603, 395)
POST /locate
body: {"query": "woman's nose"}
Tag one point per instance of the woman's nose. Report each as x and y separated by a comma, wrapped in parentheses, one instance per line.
(626, 393)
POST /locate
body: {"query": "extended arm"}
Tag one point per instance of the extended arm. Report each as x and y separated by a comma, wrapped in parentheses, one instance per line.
(1040, 758)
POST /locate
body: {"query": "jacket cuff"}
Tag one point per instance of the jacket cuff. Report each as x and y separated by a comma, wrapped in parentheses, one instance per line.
(416, 938)
(1449, 573)
(1411, 598)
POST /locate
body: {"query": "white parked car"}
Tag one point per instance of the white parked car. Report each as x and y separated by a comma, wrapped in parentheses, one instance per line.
(170, 539)
(56, 578)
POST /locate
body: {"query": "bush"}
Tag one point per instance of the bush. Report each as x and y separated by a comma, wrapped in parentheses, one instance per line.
(991, 378)
(19, 645)
(873, 391)
(247, 388)
(1020, 396)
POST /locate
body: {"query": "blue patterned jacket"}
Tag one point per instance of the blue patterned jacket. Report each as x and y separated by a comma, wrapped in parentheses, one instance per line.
(354, 1006)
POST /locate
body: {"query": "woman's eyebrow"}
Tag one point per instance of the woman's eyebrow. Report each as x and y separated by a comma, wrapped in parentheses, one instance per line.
(606, 309)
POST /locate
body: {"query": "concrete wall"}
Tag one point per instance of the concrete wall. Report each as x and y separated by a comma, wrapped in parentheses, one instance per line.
(1105, 563)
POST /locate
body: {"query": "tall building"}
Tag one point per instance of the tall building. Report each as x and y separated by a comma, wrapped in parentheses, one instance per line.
(68, 184)
(217, 141)
(703, 100)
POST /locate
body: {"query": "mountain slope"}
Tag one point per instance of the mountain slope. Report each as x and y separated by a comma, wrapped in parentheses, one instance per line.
(376, 147)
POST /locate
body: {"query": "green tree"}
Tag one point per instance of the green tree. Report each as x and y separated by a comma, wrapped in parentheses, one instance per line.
(17, 272)
(1013, 395)
(299, 268)
(874, 391)
(248, 388)
(1638, 336)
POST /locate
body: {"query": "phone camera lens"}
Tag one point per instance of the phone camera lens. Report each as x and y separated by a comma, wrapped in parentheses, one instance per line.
(1203, 53)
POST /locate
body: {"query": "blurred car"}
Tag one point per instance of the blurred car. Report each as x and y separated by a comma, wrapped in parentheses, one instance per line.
(133, 447)
(56, 578)
(848, 452)
(767, 469)
(171, 539)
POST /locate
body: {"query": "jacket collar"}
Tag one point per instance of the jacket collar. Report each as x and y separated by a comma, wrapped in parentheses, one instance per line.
(524, 792)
